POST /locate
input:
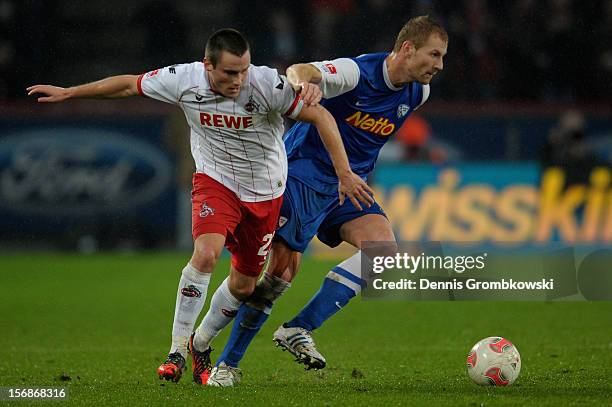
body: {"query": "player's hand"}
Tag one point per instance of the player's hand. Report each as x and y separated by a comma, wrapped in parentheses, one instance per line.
(310, 93)
(352, 186)
(53, 93)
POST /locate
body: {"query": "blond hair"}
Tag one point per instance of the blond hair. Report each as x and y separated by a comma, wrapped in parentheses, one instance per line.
(418, 30)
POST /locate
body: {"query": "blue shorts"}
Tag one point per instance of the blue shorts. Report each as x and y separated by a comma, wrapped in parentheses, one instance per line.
(306, 212)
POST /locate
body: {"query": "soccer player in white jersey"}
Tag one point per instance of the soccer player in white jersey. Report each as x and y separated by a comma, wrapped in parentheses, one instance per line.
(235, 111)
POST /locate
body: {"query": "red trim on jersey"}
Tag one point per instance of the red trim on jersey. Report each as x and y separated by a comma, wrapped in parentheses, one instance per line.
(293, 106)
(139, 85)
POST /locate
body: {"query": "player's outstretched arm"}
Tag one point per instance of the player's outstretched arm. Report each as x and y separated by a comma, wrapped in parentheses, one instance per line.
(349, 184)
(304, 78)
(121, 86)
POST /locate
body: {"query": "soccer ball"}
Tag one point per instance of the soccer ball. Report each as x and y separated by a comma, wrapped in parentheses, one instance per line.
(494, 361)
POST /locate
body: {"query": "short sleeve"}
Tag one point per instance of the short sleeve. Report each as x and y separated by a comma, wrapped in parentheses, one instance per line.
(284, 98)
(339, 76)
(163, 83)
(426, 91)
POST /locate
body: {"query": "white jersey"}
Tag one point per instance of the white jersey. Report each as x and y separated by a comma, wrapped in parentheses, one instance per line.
(237, 142)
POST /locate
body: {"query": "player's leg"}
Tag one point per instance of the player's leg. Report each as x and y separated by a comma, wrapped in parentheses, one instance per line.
(282, 267)
(301, 206)
(344, 281)
(190, 298)
(249, 252)
(223, 307)
(211, 217)
(340, 285)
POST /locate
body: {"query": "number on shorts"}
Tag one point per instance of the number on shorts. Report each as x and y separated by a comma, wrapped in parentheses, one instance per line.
(265, 249)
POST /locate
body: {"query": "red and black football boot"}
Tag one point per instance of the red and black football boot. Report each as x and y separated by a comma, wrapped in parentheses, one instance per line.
(172, 368)
(201, 364)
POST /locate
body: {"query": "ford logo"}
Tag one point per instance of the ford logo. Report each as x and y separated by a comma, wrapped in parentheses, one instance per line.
(69, 171)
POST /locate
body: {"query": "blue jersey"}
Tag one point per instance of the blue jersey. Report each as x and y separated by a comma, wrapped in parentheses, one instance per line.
(367, 116)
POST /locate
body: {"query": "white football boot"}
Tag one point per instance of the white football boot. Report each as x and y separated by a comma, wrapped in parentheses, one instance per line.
(299, 342)
(224, 376)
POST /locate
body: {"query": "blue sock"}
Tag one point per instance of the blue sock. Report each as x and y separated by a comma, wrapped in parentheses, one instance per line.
(247, 324)
(332, 296)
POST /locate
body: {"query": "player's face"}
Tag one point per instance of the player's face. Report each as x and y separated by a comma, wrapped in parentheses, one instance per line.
(427, 60)
(229, 74)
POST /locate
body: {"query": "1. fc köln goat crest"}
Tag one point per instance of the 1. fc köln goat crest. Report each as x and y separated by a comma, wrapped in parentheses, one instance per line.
(206, 210)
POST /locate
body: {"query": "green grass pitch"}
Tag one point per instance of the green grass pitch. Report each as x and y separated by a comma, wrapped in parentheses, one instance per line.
(100, 325)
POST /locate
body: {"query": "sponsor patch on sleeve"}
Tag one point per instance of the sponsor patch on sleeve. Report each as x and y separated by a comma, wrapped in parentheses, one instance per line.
(330, 68)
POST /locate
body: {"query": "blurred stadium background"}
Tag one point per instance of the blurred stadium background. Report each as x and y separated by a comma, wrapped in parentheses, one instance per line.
(526, 86)
(515, 144)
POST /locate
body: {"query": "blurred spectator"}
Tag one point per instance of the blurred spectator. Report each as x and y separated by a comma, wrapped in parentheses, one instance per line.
(566, 147)
(284, 41)
(166, 33)
(525, 50)
(415, 138)
(602, 80)
(7, 46)
(33, 39)
(326, 16)
(522, 38)
(562, 57)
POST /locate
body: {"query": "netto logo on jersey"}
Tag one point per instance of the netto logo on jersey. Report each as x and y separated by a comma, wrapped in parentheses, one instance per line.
(191, 291)
(363, 121)
(224, 120)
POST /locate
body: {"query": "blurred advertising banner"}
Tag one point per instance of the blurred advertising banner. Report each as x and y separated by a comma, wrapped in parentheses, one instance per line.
(497, 203)
(62, 181)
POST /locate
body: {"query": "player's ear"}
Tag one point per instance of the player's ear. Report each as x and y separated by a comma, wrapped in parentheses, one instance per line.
(408, 48)
(208, 65)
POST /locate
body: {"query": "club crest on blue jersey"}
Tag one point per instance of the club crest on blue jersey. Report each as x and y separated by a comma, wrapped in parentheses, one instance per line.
(402, 110)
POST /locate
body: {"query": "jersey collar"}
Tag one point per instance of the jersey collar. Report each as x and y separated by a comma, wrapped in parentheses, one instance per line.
(386, 76)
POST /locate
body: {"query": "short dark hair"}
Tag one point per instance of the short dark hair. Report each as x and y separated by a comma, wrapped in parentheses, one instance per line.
(226, 39)
(418, 30)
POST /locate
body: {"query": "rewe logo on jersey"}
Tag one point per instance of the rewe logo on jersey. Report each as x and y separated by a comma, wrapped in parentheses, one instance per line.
(364, 121)
(224, 120)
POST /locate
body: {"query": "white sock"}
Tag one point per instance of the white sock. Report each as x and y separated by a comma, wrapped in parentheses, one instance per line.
(352, 265)
(223, 309)
(190, 298)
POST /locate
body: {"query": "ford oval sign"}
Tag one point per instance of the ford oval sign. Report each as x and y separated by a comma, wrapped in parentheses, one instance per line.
(68, 171)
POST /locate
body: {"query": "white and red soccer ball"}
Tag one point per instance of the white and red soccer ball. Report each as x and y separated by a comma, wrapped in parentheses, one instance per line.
(494, 361)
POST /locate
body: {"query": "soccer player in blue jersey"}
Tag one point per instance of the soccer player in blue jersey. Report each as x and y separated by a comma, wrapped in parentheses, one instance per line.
(370, 97)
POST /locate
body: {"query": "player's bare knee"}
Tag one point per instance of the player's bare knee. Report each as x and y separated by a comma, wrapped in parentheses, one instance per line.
(284, 271)
(283, 262)
(241, 291)
(204, 258)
